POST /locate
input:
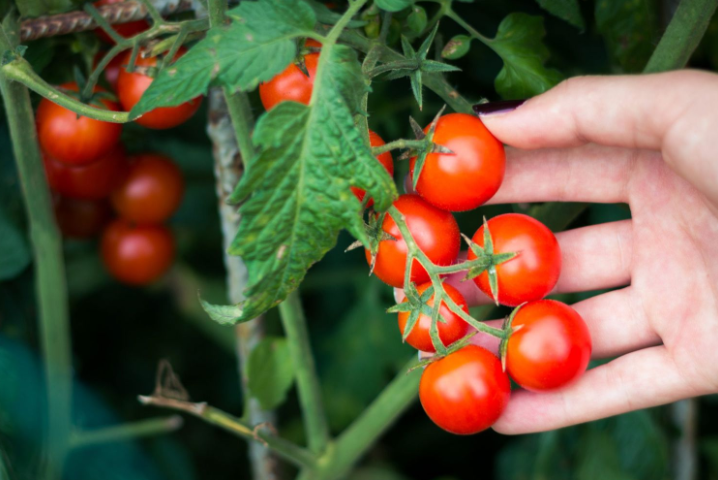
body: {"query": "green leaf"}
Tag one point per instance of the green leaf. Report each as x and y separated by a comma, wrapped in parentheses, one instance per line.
(519, 44)
(14, 251)
(567, 10)
(254, 47)
(224, 314)
(393, 5)
(299, 181)
(630, 30)
(270, 372)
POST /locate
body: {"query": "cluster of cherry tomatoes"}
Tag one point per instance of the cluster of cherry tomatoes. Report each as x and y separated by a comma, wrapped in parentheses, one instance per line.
(94, 181)
(549, 347)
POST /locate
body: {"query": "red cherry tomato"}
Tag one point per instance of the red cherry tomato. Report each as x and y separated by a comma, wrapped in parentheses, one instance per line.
(81, 218)
(126, 30)
(137, 255)
(90, 182)
(435, 232)
(151, 191)
(470, 176)
(292, 84)
(71, 139)
(131, 87)
(311, 43)
(533, 273)
(112, 70)
(466, 391)
(384, 158)
(454, 329)
(550, 347)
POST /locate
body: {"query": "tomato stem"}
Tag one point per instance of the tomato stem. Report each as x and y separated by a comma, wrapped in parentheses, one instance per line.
(402, 143)
(49, 266)
(127, 431)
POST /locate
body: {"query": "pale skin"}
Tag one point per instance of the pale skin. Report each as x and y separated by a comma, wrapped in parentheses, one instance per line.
(651, 142)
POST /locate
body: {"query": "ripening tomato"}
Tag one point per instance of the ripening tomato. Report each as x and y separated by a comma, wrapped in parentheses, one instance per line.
(71, 139)
(466, 391)
(385, 159)
(311, 43)
(435, 232)
(131, 87)
(126, 30)
(151, 191)
(90, 182)
(454, 329)
(112, 70)
(470, 176)
(292, 84)
(532, 274)
(81, 218)
(137, 255)
(550, 348)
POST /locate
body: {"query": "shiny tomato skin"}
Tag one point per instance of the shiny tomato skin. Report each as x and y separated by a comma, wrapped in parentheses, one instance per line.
(550, 347)
(465, 392)
(290, 85)
(126, 30)
(454, 329)
(385, 159)
(137, 255)
(81, 219)
(470, 176)
(131, 87)
(435, 231)
(93, 181)
(533, 273)
(71, 139)
(151, 191)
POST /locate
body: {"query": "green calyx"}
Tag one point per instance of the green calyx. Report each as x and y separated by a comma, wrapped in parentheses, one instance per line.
(508, 330)
(486, 261)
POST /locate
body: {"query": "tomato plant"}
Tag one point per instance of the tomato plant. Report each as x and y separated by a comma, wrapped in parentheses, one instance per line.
(468, 177)
(465, 392)
(132, 85)
(151, 191)
(92, 181)
(112, 70)
(435, 231)
(454, 329)
(533, 272)
(291, 85)
(137, 255)
(550, 347)
(384, 158)
(73, 139)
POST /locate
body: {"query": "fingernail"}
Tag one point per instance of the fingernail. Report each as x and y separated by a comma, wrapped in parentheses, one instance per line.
(497, 108)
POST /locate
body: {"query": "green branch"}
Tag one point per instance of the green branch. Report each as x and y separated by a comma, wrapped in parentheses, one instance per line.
(402, 143)
(310, 394)
(284, 448)
(49, 268)
(128, 431)
(682, 36)
(358, 438)
(20, 71)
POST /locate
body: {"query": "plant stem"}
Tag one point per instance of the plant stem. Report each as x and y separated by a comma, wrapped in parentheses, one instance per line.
(49, 269)
(21, 71)
(240, 112)
(373, 422)
(310, 395)
(682, 36)
(228, 170)
(128, 431)
(469, 29)
(398, 144)
(284, 448)
(216, 10)
(398, 65)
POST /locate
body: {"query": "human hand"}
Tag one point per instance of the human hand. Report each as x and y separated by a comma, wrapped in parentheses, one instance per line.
(648, 141)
